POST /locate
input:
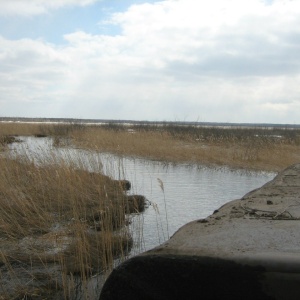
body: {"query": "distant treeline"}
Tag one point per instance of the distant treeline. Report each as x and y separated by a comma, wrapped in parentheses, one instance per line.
(134, 122)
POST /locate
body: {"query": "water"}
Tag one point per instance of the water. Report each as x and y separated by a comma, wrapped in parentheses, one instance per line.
(177, 194)
(190, 193)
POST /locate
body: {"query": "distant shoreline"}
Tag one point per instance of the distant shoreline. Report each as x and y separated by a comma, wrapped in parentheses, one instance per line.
(134, 122)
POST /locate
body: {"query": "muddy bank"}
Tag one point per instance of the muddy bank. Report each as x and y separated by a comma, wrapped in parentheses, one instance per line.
(249, 248)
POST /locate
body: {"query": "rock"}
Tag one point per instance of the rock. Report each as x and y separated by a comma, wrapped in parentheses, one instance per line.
(250, 252)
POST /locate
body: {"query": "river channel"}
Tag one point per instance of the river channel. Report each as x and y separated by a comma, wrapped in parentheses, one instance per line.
(177, 194)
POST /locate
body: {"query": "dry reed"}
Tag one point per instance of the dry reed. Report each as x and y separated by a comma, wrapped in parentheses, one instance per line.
(255, 149)
(266, 149)
(59, 222)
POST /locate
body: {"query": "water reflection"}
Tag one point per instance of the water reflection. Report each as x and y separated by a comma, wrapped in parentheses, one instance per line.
(189, 192)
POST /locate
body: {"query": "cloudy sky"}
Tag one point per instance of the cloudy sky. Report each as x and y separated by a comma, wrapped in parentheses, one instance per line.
(171, 60)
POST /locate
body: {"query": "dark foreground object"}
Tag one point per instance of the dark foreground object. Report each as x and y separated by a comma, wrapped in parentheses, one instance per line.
(248, 249)
(184, 277)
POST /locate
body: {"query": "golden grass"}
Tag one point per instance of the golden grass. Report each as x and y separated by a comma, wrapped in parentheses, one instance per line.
(250, 148)
(59, 219)
(255, 151)
(36, 129)
(25, 129)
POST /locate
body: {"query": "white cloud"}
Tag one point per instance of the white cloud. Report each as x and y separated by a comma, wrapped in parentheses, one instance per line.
(36, 7)
(32, 74)
(233, 60)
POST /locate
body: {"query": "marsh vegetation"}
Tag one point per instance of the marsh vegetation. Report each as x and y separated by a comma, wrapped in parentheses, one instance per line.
(265, 149)
(62, 223)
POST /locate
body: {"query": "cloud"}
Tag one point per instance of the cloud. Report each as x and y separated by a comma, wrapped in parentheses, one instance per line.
(220, 37)
(216, 60)
(36, 7)
(32, 74)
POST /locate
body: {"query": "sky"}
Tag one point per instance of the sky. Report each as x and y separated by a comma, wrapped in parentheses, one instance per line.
(234, 61)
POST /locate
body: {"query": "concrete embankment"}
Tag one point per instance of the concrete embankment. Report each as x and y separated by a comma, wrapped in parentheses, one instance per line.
(248, 249)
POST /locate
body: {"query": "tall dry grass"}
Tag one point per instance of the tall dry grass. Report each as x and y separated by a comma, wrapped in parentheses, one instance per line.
(59, 225)
(37, 129)
(255, 148)
(267, 149)
(25, 129)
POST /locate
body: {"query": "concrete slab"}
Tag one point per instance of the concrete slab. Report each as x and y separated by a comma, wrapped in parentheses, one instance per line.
(248, 249)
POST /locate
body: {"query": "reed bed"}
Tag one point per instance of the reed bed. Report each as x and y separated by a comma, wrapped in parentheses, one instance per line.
(24, 129)
(8, 129)
(59, 225)
(260, 148)
(254, 148)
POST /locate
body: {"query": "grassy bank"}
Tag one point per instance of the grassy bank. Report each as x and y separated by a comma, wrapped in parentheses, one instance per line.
(250, 148)
(267, 149)
(59, 225)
